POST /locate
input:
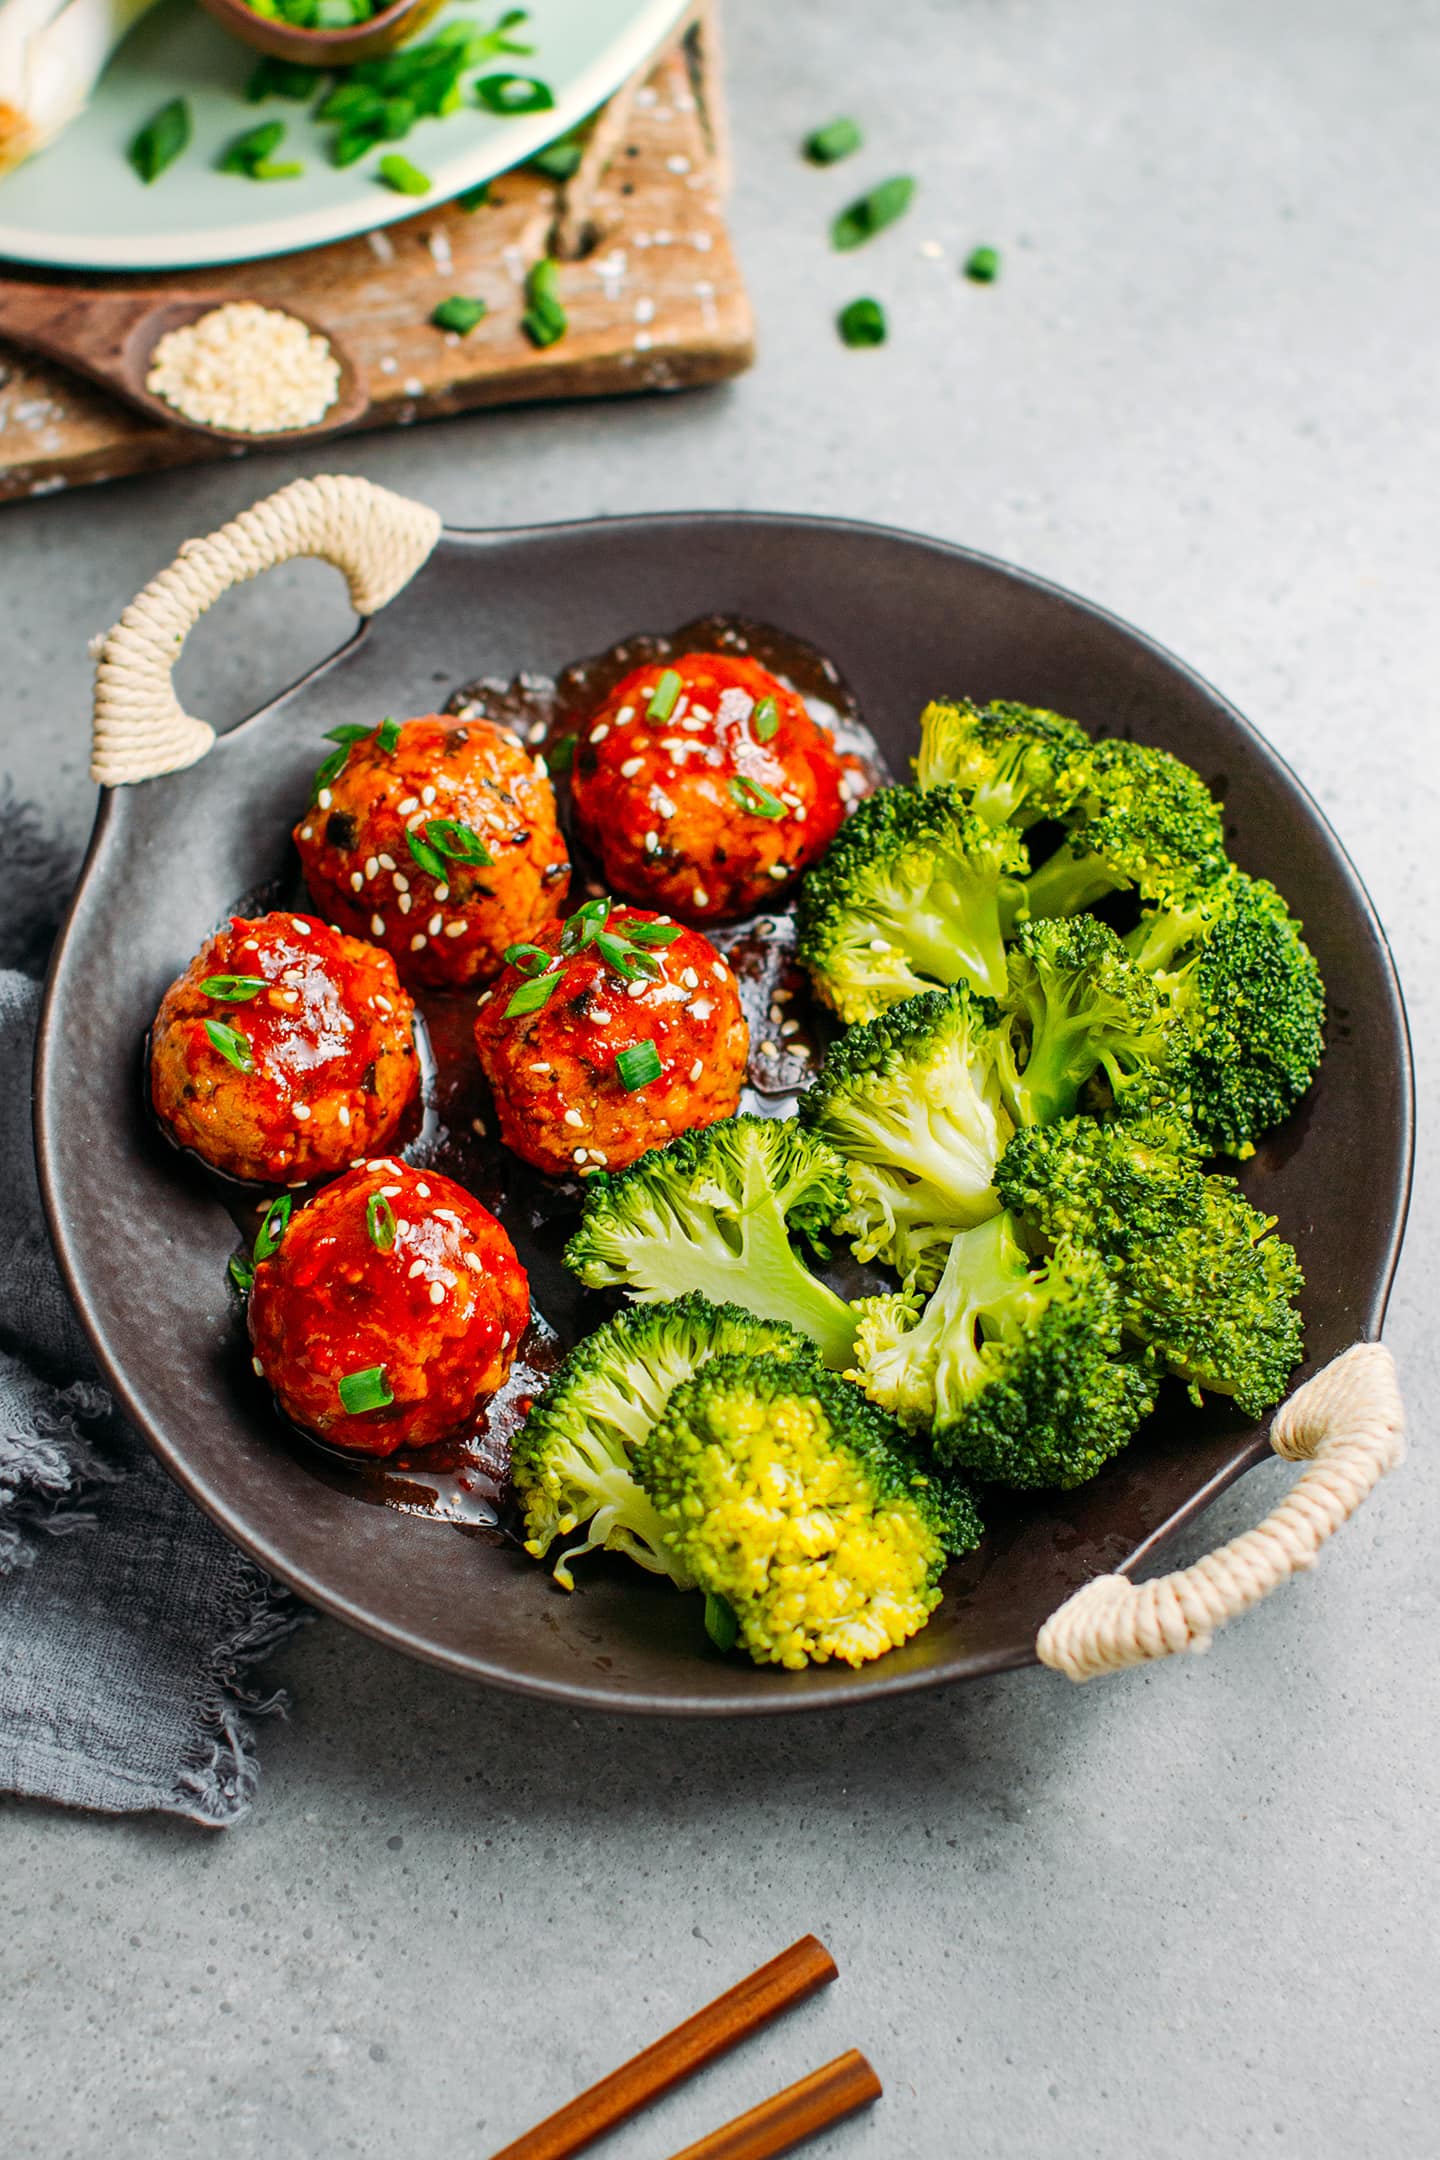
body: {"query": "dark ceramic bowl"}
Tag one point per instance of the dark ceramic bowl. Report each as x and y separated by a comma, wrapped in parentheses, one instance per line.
(143, 1242)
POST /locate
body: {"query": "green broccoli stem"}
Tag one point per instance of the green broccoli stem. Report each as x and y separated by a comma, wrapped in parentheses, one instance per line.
(1065, 883)
(765, 1276)
(1157, 938)
(1062, 1058)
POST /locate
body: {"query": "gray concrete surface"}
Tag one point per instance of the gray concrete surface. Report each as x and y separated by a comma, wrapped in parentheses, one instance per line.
(1189, 1912)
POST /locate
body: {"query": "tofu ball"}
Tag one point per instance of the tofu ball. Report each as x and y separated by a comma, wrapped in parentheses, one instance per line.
(608, 1037)
(284, 1050)
(438, 840)
(705, 788)
(389, 1310)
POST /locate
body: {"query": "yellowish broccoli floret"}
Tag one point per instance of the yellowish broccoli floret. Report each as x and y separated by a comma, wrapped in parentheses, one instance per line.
(789, 1497)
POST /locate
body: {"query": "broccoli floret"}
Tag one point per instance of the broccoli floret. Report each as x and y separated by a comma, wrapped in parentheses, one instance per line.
(1144, 819)
(712, 1211)
(1201, 1279)
(1249, 1005)
(1082, 1006)
(789, 1497)
(913, 1102)
(1015, 763)
(570, 1464)
(916, 890)
(1017, 1370)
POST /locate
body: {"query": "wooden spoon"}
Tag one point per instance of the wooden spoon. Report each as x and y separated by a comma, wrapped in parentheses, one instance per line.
(110, 336)
(324, 48)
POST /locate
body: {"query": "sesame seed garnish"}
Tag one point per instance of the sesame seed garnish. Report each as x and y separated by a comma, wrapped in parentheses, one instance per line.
(789, 1028)
(579, 1155)
(681, 706)
(483, 999)
(257, 1368)
(403, 902)
(505, 1340)
(542, 770)
(307, 832)
(454, 929)
(417, 1267)
(475, 1264)
(412, 822)
(477, 1125)
(695, 725)
(343, 1114)
(302, 927)
(372, 866)
(598, 734)
(717, 969)
(357, 882)
(637, 990)
(631, 766)
(402, 1228)
(779, 869)
(541, 1067)
(700, 897)
(383, 1003)
(700, 1008)
(302, 1111)
(390, 1191)
(386, 862)
(400, 881)
(697, 1068)
(445, 1214)
(601, 1019)
(411, 802)
(783, 997)
(690, 979)
(424, 1191)
(377, 926)
(417, 941)
(625, 715)
(324, 799)
(652, 842)
(598, 1155)
(427, 794)
(435, 925)
(437, 1293)
(769, 1050)
(661, 803)
(573, 1117)
(442, 892)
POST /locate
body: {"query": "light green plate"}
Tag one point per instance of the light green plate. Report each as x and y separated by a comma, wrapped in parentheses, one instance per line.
(79, 205)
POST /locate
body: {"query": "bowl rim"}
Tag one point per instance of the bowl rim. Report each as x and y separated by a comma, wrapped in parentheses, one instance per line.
(866, 1684)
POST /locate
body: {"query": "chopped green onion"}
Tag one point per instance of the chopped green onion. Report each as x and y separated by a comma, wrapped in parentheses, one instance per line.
(332, 768)
(281, 78)
(368, 1390)
(638, 1065)
(754, 796)
(862, 322)
(837, 139)
(585, 924)
(533, 994)
(558, 160)
(982, 266)
(765, 719)
(461, 842)
(349, 731)
(406, 179)
(652, 933)
(231, 1044)
(545, 320)
(234, 989)
(475, 198)
(273, 1226)
(873, 212)
(241, 1271)
(560, 754)
(530, 959)
(380, 1222)
(431, 861)
(721, 1624)
(277, 169)
(244, 152)
(624, 959)
(663, 697)
(389, 737)
(161, 140)
(506, 94)
(458, 314)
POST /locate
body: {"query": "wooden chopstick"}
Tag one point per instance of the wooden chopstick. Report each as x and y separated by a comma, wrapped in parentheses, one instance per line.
(788, 2118)
(722, 2024)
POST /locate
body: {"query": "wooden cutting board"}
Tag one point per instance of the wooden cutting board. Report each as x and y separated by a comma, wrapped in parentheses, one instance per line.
(648, 276)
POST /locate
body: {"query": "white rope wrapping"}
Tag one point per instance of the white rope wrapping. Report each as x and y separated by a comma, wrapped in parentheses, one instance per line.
(1348, 1424)
(379, 540)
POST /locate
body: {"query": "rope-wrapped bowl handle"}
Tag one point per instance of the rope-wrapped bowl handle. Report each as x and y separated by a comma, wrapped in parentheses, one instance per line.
(1347, 1425)
(377, 539)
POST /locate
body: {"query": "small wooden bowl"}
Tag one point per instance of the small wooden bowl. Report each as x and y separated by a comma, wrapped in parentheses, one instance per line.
(323, 48)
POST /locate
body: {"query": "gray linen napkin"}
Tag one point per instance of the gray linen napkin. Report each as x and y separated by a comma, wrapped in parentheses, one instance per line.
(129, 1627)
